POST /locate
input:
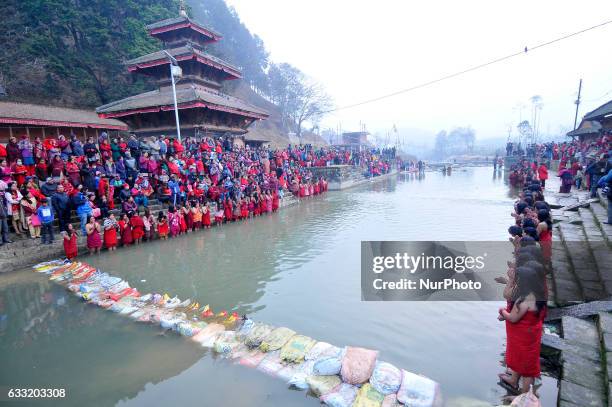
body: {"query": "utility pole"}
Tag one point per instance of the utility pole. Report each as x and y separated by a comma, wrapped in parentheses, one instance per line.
(577, 104)
(175, 71)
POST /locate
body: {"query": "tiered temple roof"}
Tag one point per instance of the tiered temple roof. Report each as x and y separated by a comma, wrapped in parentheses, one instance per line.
(184, 53)
(187, 97)
(200, 102)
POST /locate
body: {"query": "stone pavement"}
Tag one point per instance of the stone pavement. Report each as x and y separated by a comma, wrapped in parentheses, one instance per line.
(582, 263)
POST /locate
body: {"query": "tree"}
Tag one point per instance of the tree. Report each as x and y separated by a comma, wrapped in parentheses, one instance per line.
(441, 144)
(524, 129)
(310, 104)
(298, 98)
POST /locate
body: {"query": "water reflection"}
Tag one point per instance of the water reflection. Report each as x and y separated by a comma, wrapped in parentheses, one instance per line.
(299, 268)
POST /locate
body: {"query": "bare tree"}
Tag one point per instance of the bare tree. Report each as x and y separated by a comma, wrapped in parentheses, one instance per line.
(299, 99)
(310, 104)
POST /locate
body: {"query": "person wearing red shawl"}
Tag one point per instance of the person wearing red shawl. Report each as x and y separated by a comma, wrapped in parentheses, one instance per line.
(70, 243)
(13, 152)
(178, 148)
(173, 168)
(73, 171)
(275, 201)
(137, 227)
(106, 189)
(123, 147)
(125, 230)
(2, 152)
(228, 209)
(20, 172)
(57, 167)
(105, 149)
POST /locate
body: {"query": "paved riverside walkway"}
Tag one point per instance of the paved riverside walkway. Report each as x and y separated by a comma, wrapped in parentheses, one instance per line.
(580, 290)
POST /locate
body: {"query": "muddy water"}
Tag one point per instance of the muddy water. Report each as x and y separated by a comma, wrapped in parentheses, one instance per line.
(300, 269)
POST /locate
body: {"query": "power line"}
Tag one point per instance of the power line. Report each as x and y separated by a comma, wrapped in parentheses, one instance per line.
(474, 68)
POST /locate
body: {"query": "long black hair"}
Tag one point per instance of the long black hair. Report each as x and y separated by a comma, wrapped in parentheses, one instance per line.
(544, 216)
(529, 281)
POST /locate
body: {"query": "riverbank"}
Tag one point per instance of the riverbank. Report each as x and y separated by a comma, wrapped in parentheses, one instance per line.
(582, 293)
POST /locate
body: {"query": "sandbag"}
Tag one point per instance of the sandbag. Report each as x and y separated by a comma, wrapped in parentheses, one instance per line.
(238, 351)
(526, 400)
(342, 395)
(288, 372)
(271, 364)
(226, 342)
(245, 329)
(327, 366)
(276, 339)
(322, 349)
(391, 401)
(252, 358)
(368, 396)
(358, 365)
(299, 377)
(257, 334)
(386, 378)
(295, 350)
(417, 391)
(207, 336)
(189, 329)
(322, 384)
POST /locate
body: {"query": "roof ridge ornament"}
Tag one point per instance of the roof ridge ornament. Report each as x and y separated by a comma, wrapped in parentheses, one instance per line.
(182, 9)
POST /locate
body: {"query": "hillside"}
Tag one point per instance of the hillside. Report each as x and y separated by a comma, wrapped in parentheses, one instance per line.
(72, 52)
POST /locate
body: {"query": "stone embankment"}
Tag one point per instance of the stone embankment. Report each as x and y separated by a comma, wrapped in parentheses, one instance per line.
(581, 290)
(346, 176)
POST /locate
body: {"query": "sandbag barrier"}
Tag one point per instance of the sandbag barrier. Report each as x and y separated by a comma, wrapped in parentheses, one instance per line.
(340, 377)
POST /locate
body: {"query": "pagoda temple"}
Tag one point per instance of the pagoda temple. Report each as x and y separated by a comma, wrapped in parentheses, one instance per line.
(203, 108)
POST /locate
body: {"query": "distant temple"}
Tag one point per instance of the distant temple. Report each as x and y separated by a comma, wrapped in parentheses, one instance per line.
(203, 108)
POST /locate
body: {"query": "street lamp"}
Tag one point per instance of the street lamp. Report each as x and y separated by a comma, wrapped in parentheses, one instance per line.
(175, 70)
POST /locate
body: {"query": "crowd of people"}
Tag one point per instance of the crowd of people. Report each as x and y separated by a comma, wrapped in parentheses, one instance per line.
(583, 165)
(202, 182)
(525, 289)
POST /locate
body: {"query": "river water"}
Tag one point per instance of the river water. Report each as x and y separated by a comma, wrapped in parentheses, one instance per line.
(299, 268)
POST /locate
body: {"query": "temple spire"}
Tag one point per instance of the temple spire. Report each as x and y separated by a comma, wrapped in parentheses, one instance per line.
(182, 9)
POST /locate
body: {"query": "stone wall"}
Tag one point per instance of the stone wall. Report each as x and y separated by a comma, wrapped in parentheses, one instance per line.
(344, 176)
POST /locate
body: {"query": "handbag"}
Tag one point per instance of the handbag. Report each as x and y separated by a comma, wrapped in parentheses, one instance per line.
(35, 220)
(96, 212)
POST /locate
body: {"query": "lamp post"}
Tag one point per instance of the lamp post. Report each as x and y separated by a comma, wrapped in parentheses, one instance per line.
(175, 70)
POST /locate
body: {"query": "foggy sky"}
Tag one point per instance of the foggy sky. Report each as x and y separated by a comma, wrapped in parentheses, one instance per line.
(363, 49)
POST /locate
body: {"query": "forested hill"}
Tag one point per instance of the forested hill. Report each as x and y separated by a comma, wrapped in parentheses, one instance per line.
(72, 52)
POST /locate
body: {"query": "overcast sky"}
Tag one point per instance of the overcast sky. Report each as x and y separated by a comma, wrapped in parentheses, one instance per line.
(363, 49)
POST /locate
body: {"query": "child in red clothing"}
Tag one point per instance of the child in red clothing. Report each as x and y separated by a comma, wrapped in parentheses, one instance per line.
(70, 243)
(162, 225)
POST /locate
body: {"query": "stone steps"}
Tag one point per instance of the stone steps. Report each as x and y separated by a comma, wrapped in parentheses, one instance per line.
(584, 375)
(582, 261)
(600, 215)
(567, 289)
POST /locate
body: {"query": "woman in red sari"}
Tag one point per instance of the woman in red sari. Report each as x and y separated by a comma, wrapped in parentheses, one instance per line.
(70, 243)
(244, 208)
(110, 227)
(524, 317)
(137, 227)
(125, 229)
(206, 216)
(228, 210)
